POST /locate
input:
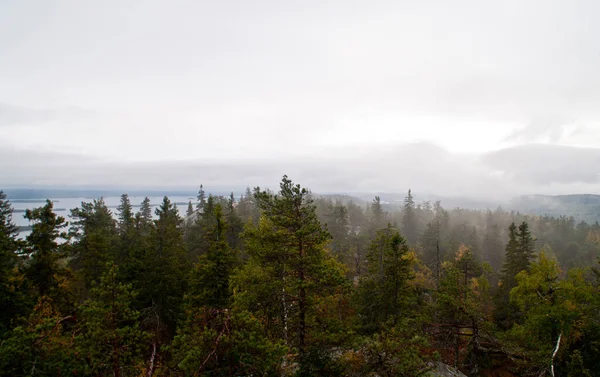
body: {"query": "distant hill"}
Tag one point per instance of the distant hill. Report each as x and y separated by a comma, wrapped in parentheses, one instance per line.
(584, 207)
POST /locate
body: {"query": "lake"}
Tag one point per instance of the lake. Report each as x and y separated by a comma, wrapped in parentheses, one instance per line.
(63, 206)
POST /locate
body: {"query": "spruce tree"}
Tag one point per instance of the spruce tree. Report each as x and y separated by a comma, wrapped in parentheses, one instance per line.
(201, 199)
(95, 233)
(378, 214)
(125, 215)
(409, 220)
(164, 271)
(109, 338)
(144, 216)
(235, 224)
(384, 295)
(12, 293)
(46, 251)
(519, 251)
(209, 285)
(338, 225)
(190, 209)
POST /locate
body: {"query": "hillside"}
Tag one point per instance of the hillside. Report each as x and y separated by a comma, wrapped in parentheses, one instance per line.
(582, 207)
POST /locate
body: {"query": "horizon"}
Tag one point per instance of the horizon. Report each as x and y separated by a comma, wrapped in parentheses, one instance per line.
(342, 97)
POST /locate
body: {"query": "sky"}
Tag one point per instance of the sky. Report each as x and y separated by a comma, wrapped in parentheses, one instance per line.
(474, 98)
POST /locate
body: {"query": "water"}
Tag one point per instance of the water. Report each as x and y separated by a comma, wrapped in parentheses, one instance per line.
(63, 206)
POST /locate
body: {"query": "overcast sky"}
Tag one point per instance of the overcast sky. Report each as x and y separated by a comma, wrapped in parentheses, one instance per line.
(473, 97)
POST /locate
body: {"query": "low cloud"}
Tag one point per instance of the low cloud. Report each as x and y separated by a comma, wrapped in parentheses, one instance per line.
(541, 165)
(14, 115)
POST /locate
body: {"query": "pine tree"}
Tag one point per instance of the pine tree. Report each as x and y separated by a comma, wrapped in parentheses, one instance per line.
(289, 270)
(110, 339)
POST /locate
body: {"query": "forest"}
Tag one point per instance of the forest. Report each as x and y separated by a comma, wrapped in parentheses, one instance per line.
(289, 283)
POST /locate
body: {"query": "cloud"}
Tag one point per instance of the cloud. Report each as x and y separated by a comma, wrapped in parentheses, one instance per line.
(393, 168)
(13, 115)
(545, 165)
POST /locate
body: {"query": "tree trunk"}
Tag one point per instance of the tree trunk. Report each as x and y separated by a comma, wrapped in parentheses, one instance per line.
(554, 354)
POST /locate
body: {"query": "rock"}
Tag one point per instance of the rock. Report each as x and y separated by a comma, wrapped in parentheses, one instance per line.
(443, 370)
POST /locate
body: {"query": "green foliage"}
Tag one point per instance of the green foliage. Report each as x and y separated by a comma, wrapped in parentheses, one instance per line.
(209, 283)
(289, 267)
(13, 295)
(215, 342)
(461, 304)
(409, 220)
(306, 288)
(109, 338)
(162, 279)
(41, 346)
(45, 253)
(95, 233)
(201, 199)
(553, 307)
(384, 295)
(394, 352)
(519, 251)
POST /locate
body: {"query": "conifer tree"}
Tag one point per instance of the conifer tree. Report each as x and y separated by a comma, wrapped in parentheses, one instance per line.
(461, 301)
(163, 274)
(519, 251)
(378, 214)
(384, 294)
(144, 216)
(209, 285)
(201, 199)
(235, 224)
(129, 252)
(338, 225)
(12, 293)
(492, 247)
(41, 345)
(409, 220)
(213, 340)
(109, 338)
(125, 215)
(45, 251)
(289, 270)
(95, 233)
(190, 209)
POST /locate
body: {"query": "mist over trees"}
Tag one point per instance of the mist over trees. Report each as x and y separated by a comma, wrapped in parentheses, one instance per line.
(289, 283)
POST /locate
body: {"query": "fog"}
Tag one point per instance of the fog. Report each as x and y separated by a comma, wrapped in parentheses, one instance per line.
(470, 98)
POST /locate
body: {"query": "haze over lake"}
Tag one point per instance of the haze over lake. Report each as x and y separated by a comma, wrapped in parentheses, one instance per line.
(63, 206)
